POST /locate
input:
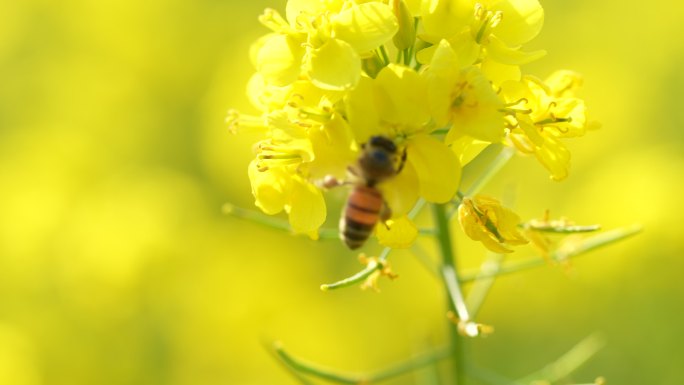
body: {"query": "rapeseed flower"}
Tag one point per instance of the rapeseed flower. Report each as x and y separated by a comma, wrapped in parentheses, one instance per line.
(487, 32)
(462, 98)
(325, 84)
(322, 41)
(544, 114)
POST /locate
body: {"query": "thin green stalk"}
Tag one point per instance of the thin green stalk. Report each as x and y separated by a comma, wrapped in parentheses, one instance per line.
(422, 255)
(580, 248)
(560, 229)
(303, 367)
(256, 217)
(489, 377)
(483, 283)
(409, 365)
(474, 171)
(408, 56)
(497, 164)
(372, 266)
(283, 225)
(290, 369)
(449, 266)
(308, 368)
(384, 55)
(428, 375)
(361, 275)
(568, 362)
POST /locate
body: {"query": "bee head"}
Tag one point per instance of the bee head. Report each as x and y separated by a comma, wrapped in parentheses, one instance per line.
(382, 142)
(378, 159)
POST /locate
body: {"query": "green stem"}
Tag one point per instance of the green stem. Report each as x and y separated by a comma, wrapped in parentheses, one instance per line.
(483, 283)
(449, 269)
(384, 55)
(307, 368)
(301, 367)
(408, 55)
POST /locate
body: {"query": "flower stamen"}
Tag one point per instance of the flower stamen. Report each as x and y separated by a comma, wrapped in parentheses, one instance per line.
(485, 21)
(238, 122)
(272, 20)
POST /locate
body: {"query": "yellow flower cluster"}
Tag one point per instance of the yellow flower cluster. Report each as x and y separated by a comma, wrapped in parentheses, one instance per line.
(437, 77)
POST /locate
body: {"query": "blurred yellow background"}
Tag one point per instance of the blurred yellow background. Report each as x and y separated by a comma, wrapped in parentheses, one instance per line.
(117, 266)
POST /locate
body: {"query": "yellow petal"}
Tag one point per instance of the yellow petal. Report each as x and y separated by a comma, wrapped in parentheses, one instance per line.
(514, 90)
(365, 26)
(335, 66)
(271, 188)
(256, 87)
(446, 18)
(522, 20)
(332, 147)
(401, 192)
(443, 74)
(479, 112)
(267, 97)
(484, 219)
(437, 167)
(508, 227)
(504, 219)
(402, 97)
(295, 8)
(473, 227)
(574, 110)
(466, 48)
(425, 55)
(498, 51)
(401, 234)
(406, 35)
(564, 83)
(555, 157)
(499, 73)
(362, 112)
(467, 148)
(306, 207)
(279, 60)
(415, 6)
(531, 132)
(256, 47)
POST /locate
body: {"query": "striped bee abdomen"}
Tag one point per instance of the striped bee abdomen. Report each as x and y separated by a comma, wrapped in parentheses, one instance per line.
(361, 213)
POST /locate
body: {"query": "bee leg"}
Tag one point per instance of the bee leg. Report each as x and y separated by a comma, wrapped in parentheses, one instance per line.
(353, 172)
(385, 214)
(330, 181)
(402, 162)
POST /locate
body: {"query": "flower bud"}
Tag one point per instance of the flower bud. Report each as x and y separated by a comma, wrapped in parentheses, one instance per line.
(406, 35)
(484, 219)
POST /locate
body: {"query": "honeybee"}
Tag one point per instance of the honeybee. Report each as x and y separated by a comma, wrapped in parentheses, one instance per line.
(379, 161)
